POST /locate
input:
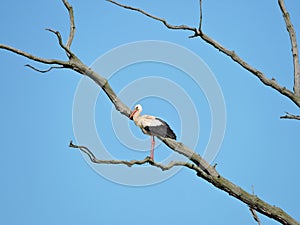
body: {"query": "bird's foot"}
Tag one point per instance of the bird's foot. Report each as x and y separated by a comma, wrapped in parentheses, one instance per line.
(150, 159)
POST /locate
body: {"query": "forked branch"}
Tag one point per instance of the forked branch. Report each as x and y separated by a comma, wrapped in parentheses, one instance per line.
(130, 163)
(196, 163)
(254, 202)
(199, 33)
(60, 41)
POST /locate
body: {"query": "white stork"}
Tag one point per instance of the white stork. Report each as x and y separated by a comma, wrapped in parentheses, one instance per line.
(152, 126)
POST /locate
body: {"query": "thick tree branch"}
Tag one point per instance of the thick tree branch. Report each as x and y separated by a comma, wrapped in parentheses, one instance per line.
(199, 165)
(295, 51)
(199, 33)
(254, 203)
(190, 154)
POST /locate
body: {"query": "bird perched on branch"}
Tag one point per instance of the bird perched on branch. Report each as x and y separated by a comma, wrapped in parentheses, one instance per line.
(152, 126)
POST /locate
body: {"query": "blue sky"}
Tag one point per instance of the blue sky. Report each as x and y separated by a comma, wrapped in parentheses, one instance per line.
(45, 182)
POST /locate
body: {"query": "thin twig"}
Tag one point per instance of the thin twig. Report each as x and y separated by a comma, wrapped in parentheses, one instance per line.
(44, 71)
(253, 212)
(175, 27)
(130, 163)
(72, 23)
(200, 20)
(295, 52)
(60, 41)
(290, 116)
(255, 216)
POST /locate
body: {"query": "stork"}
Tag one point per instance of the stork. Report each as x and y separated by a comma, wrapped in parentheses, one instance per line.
(152, 126)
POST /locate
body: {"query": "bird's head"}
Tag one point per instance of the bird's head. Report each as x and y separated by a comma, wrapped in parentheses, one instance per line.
(137, 109)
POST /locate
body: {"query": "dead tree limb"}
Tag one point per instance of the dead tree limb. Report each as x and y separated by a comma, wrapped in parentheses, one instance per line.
(200, 15)
(33, 57)
(253, 212)
(44, 71)
(232, 54)
(72, 24)
(130, 163)
(290, 116)
(168, 25)
(254, 215)
(199, 165)
(254, 203)
(295, 52)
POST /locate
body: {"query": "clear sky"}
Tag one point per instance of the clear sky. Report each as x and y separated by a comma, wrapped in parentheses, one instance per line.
(45, 182)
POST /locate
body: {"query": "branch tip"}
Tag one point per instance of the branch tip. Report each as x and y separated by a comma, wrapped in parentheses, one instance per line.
(290, 116)
(200, 19)
(71, 145)
(295, 52)
(72, 24)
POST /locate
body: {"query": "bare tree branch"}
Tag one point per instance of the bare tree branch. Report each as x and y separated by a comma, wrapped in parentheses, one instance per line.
(295, 52)
(67, 50)
(190, 154)
(44, 71)
(290, 116)
(254, 215)
(199, 165)
(32, 57)
(200, 19)
(72, 23)
(220, 182)
(174, 27)
(130, 163)
(199, 33)
(268, 82)
(253, 212)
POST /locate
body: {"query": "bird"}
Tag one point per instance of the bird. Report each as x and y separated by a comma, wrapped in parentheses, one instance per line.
(151, 126)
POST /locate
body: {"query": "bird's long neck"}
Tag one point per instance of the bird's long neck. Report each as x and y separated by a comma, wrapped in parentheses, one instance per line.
(136, 117)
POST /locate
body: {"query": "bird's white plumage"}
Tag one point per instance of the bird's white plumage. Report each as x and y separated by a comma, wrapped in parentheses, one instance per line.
(146, 120)
(152, 126)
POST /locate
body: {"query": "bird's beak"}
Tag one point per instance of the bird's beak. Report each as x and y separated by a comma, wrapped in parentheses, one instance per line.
(131, 115)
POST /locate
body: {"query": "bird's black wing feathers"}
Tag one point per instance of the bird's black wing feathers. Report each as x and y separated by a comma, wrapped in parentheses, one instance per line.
(163, 130)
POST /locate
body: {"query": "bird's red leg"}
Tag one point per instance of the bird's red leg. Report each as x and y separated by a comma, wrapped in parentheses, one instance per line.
(152, 148)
